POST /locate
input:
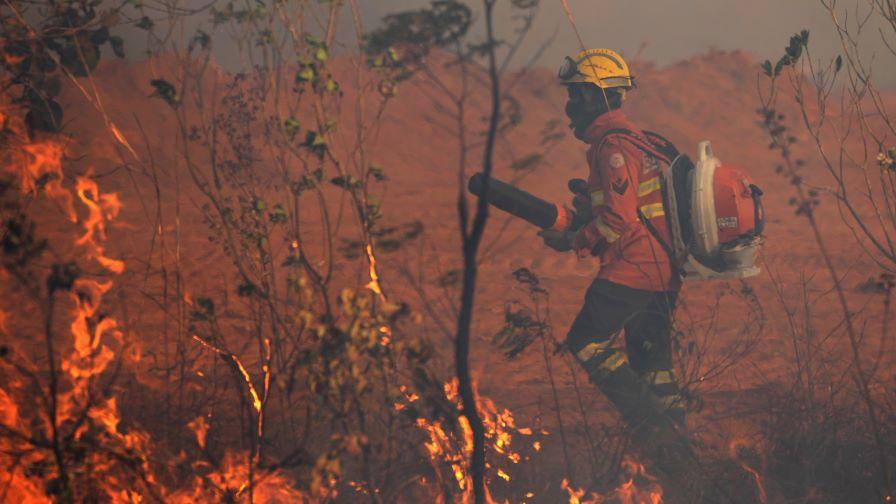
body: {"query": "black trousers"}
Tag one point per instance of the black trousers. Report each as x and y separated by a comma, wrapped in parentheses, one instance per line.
(646, 318)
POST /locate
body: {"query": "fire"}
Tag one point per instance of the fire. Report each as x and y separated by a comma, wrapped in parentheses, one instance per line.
(74, 406)
(42, 169)
(199, 426)
(374, 284)
(102, 208)
(71, 404)
(741, 449)
(637, 487)
(445, 447)
(230, 483)
(90, 357)
(646, 491)
(257, 400)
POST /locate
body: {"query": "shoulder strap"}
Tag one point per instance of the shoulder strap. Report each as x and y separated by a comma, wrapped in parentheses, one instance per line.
(674, 262)
(662, 144)
(652, 143)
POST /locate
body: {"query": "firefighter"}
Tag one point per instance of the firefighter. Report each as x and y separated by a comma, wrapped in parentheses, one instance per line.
(637, 285)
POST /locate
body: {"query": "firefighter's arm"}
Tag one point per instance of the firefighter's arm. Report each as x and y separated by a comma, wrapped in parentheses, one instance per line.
(613, 199)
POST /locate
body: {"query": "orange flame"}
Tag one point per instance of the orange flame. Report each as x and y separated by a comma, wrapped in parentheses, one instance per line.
(444, 447)
(739, 449)
(89, 357)
(232, 479)
(244, 373)
(102, 207)
(199, 426)
(374, 284)
(42, 168)
(638, 487)
(79, 405)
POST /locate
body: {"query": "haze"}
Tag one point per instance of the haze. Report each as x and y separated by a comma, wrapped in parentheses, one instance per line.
(676, 29)
(666, 30)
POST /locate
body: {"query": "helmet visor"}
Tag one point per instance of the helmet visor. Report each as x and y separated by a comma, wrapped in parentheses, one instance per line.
(568, 69)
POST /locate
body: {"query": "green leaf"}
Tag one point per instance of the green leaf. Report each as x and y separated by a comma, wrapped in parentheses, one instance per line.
(52, 86)
(312, 139)
(79, 56)
(838, 63)
(377, 172)
(346, 182)
(783, 62)
(145, 23)
(277, 215)
(201, 39)
(305, 74)
(320, 54)
(99, 36)
(166, 91)
(392, 53)
(246, 289)
(292, 127)
(316, 143)
(795, 49)
(767, 67)
(804, 37)
(117, 45)
(44, 115)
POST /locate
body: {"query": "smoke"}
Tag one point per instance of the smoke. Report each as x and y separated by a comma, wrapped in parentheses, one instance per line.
(672, 30)
(659, 31)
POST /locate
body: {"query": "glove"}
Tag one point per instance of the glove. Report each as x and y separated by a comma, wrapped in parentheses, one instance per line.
(582, 245)
(561, 241)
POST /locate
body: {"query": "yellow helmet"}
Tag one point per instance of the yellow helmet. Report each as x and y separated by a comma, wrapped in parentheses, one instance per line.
(602, 67)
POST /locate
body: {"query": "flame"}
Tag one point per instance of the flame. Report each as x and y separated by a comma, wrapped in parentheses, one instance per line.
(648, 492)
(39, 166)
(638, 487)
(102, 208)
(199, 426)
(374, 284)
(446, 448)
(738, 450)
(247, 379)
(82, 409)
(89, 357)
(231, 479)
(575, 496)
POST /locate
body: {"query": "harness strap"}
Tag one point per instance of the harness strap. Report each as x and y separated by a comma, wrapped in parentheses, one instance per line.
(656, 234)
(652, 143)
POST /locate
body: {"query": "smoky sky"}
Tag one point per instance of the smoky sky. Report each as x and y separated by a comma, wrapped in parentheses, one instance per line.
(664, 31)
(671, 30)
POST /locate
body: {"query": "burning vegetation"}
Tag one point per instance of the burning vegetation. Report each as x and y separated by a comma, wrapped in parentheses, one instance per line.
(220, 297)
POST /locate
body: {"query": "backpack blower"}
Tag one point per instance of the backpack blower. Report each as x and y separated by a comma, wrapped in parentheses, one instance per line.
(714, 211)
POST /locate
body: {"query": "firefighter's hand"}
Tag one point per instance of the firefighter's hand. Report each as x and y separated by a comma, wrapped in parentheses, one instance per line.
(560, 241)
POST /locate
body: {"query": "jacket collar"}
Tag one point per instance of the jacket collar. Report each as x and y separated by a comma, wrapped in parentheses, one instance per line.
(605, 122)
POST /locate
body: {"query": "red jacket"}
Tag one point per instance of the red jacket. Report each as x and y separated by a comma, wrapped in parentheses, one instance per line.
(622, 179)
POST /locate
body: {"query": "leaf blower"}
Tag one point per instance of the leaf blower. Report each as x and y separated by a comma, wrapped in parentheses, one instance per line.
(533, 209)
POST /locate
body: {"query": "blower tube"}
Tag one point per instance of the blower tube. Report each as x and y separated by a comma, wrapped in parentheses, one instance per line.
(521, 204)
